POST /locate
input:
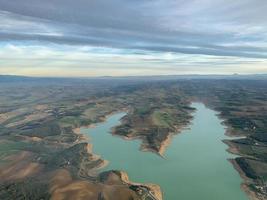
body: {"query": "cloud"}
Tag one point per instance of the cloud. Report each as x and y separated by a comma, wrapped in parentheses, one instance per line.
(204, 27)
(126, 37)
(65, 60)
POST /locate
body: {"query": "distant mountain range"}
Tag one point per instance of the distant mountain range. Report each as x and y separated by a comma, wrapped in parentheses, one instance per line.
(14, 78)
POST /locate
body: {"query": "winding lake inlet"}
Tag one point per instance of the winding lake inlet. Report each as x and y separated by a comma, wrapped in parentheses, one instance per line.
(195, 166)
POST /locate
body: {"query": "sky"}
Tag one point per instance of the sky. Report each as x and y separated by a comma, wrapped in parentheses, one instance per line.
(132, 37)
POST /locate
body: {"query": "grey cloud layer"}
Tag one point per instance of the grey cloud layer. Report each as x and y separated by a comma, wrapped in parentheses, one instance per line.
(209, 27)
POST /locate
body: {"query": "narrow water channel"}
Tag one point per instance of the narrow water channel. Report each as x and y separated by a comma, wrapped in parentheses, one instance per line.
(195, 165)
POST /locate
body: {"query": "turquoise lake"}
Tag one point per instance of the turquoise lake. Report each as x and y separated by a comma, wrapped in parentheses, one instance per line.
(195, 166)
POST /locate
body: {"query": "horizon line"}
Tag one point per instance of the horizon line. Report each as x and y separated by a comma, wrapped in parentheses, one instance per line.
(133, 76)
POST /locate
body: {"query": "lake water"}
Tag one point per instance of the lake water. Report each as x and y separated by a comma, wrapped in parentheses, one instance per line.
(195, 166)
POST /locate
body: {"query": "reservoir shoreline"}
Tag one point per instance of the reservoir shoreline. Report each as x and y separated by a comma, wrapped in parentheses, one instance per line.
(115, 165)
(154, 190)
